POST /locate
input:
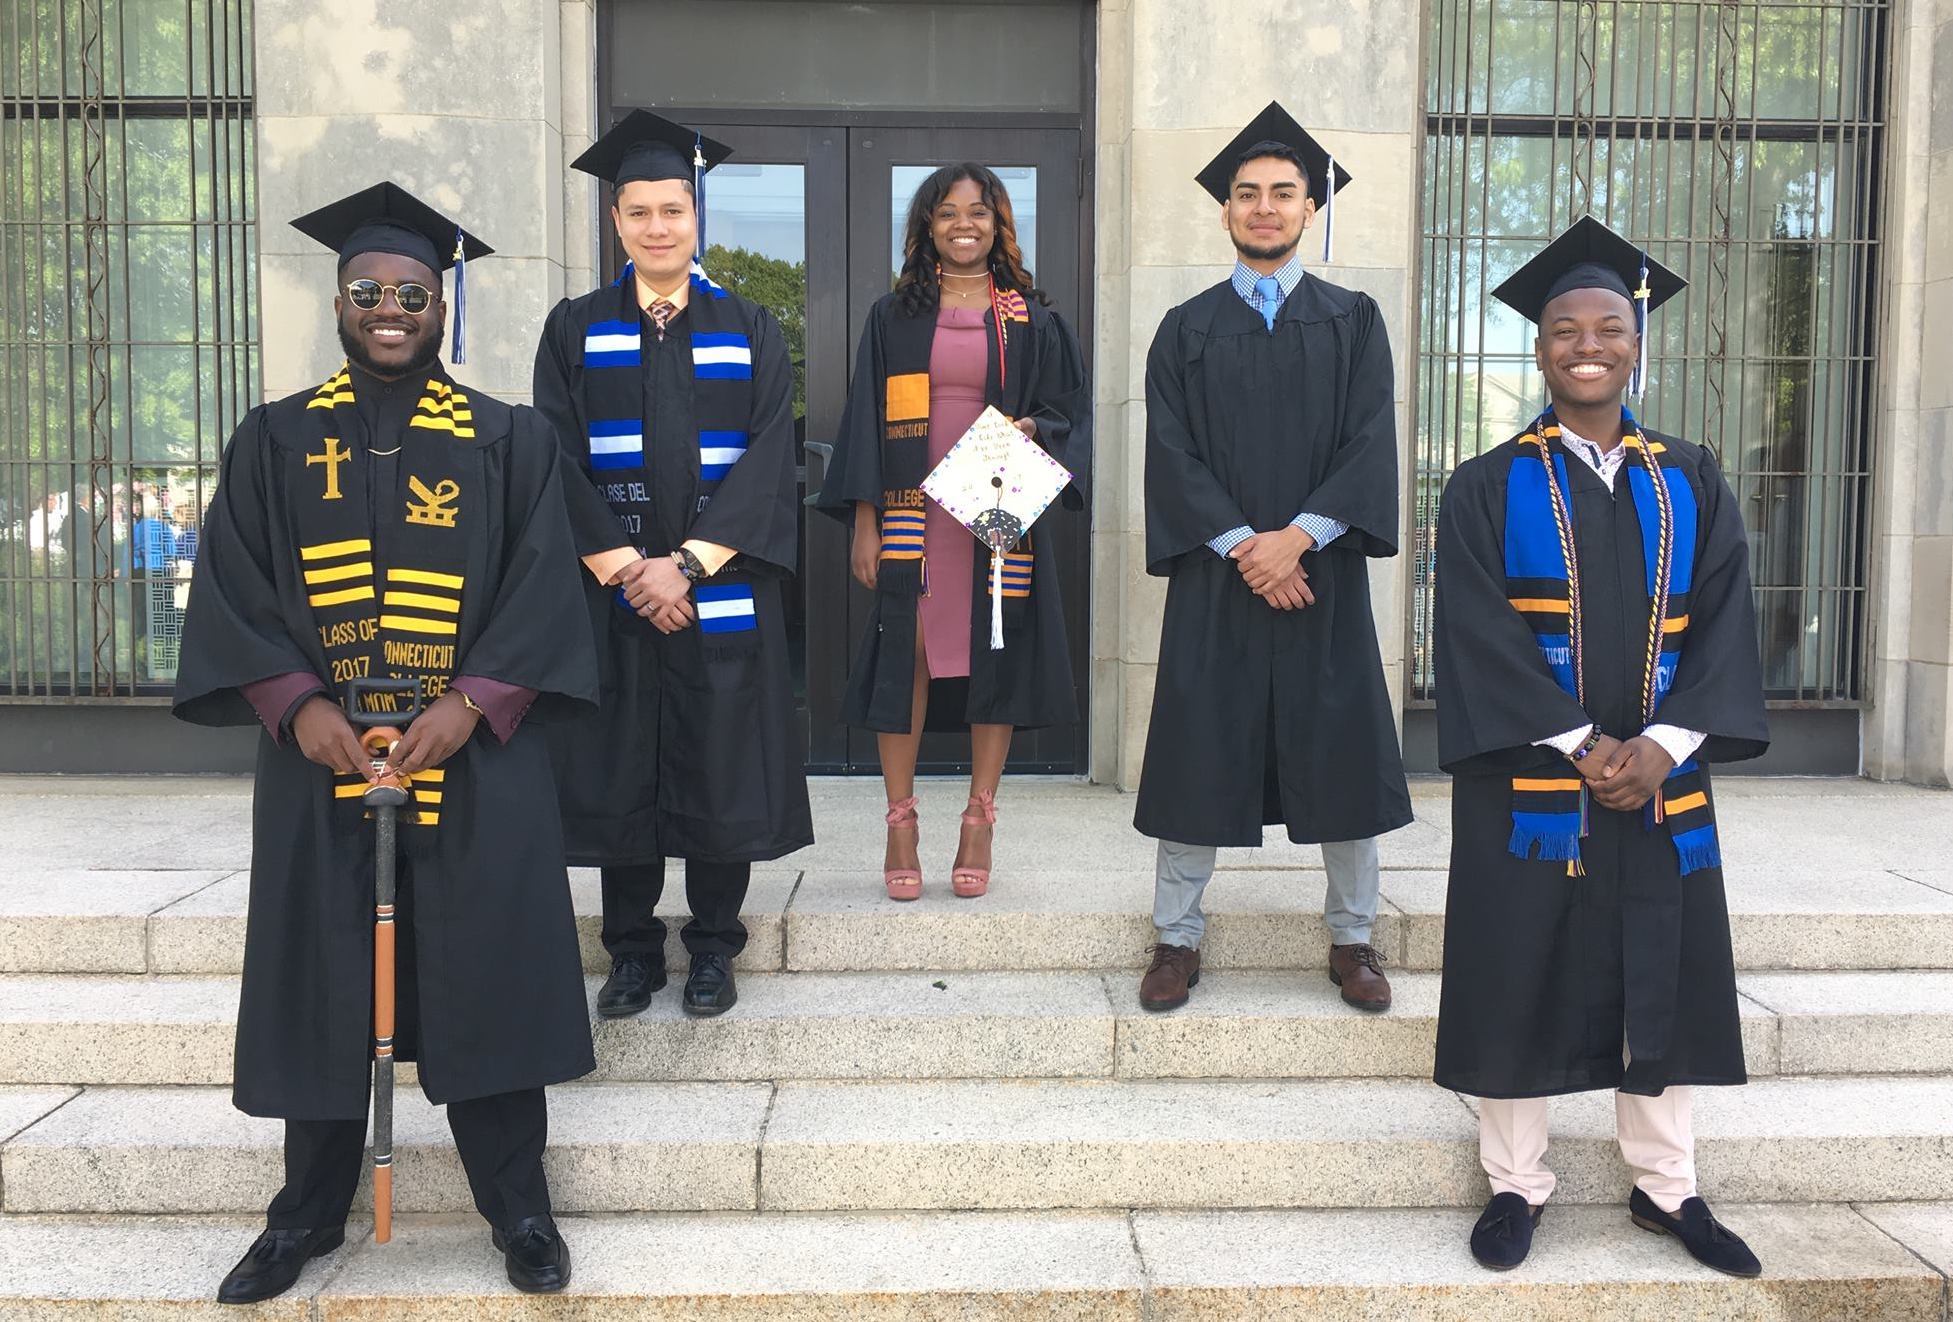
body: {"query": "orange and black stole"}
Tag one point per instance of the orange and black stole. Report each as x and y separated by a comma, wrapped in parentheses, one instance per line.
(386, 588)
(906, 347)
(1542, 565)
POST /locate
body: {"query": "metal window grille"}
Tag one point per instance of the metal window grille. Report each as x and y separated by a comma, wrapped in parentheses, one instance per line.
(128, 326)
(1740, 142)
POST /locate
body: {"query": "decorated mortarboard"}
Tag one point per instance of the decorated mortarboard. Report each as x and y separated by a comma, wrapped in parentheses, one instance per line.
(387, 218)
(1275, 127)
(644, 147)
(995, 481)
(1589, 255)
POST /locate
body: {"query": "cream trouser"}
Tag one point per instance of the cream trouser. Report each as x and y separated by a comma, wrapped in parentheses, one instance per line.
(1656, 1135)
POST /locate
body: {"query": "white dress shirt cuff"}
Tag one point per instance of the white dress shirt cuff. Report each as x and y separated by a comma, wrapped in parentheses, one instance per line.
(1679, 744)
(1564, 744)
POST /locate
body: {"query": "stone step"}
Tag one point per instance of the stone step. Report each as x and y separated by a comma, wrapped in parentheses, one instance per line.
(820, 1146)
(1876, 1263)
(110, 1029)
(1258, 918)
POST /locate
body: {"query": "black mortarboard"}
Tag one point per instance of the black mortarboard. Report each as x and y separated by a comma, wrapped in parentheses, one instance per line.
(387, 218)
(1274, 126)
(644, 146)
(1588, 255)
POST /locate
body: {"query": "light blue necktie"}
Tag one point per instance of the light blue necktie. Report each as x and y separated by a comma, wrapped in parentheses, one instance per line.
(1269, 290)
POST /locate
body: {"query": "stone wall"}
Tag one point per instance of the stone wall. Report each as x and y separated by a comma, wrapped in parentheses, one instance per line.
(1175, 82)
(477, 109)
(1907, 734)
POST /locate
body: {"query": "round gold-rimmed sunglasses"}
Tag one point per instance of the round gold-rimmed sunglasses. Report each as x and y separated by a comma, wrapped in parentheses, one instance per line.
(413, 299)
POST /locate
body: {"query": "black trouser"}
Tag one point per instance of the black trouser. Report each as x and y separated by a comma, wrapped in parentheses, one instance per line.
(715, 892)
(500, 1138)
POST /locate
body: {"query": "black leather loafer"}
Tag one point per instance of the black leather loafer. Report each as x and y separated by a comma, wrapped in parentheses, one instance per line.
(272, 1264)
(1504, 1233)
(1708, 1240)
(710, 989)
(536, 1255)
(627, 991)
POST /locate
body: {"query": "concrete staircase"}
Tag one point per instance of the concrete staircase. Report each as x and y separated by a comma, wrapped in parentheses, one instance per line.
(956, 1110)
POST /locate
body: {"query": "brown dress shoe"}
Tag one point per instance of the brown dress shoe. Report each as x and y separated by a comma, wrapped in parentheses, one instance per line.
(1174, 969)
(1358, 970)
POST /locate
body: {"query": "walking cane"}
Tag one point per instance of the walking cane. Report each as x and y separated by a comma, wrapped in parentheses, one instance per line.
(385, 797)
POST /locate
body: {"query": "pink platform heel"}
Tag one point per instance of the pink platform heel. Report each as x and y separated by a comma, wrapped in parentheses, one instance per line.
(903, 883)
(968, 882)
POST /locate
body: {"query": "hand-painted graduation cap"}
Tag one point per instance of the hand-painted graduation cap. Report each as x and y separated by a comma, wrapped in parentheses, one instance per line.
(1591, 256)
(1276, 126)
(387, 218)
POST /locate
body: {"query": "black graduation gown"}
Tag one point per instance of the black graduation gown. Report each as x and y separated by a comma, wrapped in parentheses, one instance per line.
(1263, 716)
(1544, 974)
(497, 1000)
(693, 753)
(1028, 682)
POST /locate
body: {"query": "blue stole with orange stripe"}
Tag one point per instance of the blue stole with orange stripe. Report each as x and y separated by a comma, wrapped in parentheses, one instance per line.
(385, 572)
(1543, 584)
(613, 392)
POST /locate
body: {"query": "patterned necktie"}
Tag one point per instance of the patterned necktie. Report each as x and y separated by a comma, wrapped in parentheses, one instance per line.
(1269, 290)
(662, 310)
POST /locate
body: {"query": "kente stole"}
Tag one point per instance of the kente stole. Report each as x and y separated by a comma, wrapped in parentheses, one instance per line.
(1549, 813)
(722, 405)
(386, 591)
(905, 441)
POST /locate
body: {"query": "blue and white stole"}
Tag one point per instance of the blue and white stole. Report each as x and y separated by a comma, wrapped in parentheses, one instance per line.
(1549, 813)
(722, 406)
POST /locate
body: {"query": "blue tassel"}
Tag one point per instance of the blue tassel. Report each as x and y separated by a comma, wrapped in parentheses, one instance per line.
(698, 192)
(1638, 383)
(630, 269)
(460, 297)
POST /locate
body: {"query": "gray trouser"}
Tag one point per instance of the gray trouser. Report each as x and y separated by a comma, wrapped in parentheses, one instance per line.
(1183, 872)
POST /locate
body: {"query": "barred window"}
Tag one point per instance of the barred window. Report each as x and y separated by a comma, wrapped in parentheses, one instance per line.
(1740, 142)
(128, 325)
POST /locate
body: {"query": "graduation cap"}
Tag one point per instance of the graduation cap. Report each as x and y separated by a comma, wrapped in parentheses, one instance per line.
(387, 218)
(644, 147)
(1275, 127)
(1588, 255)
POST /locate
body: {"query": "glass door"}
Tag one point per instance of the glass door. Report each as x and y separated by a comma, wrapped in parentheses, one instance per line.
(807, 221)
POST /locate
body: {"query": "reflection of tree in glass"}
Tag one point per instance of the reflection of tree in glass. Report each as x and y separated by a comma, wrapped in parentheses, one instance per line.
(779, 287)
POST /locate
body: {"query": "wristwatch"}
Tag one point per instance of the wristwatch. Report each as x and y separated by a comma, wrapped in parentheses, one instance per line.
(688, 564)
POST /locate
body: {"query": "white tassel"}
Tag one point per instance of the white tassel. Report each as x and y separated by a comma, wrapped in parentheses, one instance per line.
(1329, 217)
(996, 602)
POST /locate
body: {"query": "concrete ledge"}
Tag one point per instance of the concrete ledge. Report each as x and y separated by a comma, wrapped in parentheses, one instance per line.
(612, 1148)
(1246, 1266)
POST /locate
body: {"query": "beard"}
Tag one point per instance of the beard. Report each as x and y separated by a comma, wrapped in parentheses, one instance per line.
(427, 352)
(1266, 252)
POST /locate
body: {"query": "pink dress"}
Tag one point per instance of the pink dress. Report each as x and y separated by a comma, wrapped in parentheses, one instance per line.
(958, 362)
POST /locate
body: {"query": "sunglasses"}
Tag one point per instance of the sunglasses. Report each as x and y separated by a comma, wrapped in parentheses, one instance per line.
(413, 299)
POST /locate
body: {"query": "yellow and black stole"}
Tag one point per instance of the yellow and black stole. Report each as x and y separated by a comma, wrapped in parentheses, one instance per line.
(907, 343)
(1542, 567)
(385, 572)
